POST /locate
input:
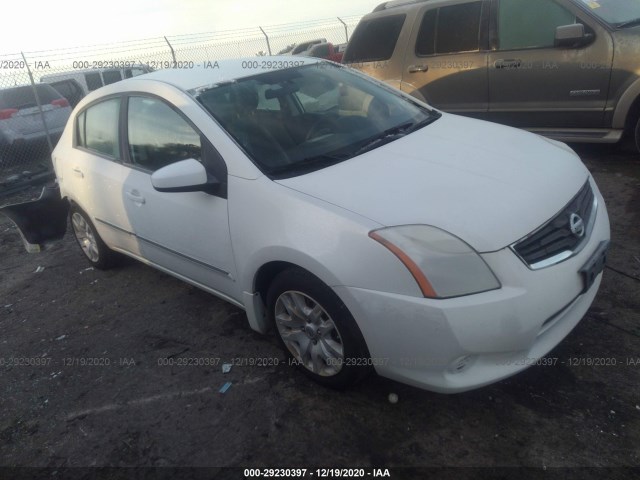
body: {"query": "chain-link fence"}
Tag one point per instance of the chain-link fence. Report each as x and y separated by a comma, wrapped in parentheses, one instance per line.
(38, 90)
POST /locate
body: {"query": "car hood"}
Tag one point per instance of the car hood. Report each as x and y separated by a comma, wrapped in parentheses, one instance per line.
(488, 184)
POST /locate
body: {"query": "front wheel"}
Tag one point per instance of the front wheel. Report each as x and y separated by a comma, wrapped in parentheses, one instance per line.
(94, 249)
(317, 330)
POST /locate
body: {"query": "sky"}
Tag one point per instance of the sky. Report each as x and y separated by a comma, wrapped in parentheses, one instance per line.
(70, 23)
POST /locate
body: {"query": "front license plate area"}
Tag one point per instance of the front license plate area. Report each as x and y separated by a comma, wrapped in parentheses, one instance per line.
(594, 265)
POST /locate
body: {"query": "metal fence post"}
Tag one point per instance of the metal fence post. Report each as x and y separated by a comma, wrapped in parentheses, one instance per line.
(35, 93)
(346, 32)
(173, 54)
(267, 37)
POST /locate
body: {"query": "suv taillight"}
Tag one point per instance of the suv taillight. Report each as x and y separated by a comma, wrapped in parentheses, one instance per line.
(60, 102)
(7, 113)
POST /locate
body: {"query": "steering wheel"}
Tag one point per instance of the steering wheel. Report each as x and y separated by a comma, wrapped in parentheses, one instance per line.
(321, 128)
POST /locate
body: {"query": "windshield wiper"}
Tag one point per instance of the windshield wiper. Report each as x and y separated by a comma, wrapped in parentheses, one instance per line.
(384, 137)
(392, 134)
(423, 123)
(630, 23)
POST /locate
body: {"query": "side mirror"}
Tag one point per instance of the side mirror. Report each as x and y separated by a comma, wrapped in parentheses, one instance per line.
(185, 176)
(572, 36)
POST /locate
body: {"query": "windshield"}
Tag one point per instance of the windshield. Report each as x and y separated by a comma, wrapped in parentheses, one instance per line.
(615, 12)
(298, 120)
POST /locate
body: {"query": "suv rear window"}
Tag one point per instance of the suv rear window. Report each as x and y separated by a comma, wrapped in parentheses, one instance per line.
(450, 29)
(374, 40)
(23, 97)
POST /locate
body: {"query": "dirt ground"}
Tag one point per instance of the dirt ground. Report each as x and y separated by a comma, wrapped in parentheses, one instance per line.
(102, 395)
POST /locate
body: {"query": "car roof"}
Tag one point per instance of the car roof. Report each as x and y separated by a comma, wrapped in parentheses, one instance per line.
(403, 5)
(217, 71)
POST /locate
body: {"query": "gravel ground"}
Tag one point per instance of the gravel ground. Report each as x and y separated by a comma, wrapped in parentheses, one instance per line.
(127, 409)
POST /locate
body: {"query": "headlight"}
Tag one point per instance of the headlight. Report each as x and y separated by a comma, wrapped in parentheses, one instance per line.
(442, 264)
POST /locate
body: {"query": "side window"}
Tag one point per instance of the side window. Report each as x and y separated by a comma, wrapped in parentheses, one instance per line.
(93, 80)
(158, 135)
(451, 29)
(426, 43)
(375, 40)
(111, 76)
(101, 128)
(458, 28)
(527, 24)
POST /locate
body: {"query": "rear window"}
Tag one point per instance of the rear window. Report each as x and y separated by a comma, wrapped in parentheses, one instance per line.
(374, 40)
(321, 50)
(23, 97)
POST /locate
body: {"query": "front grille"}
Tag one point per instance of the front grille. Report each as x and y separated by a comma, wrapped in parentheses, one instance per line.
(555, 240)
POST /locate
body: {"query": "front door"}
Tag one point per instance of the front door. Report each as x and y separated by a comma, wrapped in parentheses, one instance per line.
(184, 233)
(534, 84)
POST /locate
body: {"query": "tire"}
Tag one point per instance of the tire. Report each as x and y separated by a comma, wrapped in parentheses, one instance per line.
(85, 233)
(317, 330)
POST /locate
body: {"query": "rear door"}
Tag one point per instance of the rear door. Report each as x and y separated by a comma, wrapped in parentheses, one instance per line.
(377, 46)
(446, 58)
(534, 84)
(92, 174)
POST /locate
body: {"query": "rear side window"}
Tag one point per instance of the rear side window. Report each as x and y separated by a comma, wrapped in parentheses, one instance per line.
(527, 24)
(93, 80)
(375, 40)
(450, 29)
(97, 128)
(158, 135)
(111, 76)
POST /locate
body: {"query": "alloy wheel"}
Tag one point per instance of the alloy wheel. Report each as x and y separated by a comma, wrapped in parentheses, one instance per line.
(309, 333)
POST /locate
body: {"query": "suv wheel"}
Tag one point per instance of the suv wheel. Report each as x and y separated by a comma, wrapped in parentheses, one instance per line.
(98, 254)
(316, 329)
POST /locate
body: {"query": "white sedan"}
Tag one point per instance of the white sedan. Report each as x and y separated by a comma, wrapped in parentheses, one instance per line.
(370, 230)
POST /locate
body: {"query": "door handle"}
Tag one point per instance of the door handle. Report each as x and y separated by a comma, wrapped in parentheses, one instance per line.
(78, 173)
(507, 63)
(135, 197)
(418, 68)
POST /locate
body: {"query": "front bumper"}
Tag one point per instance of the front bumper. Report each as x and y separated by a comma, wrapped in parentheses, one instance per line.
(459, 344)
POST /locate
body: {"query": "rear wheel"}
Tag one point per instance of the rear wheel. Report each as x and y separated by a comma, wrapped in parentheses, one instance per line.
(317, 330)
(94, 249)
